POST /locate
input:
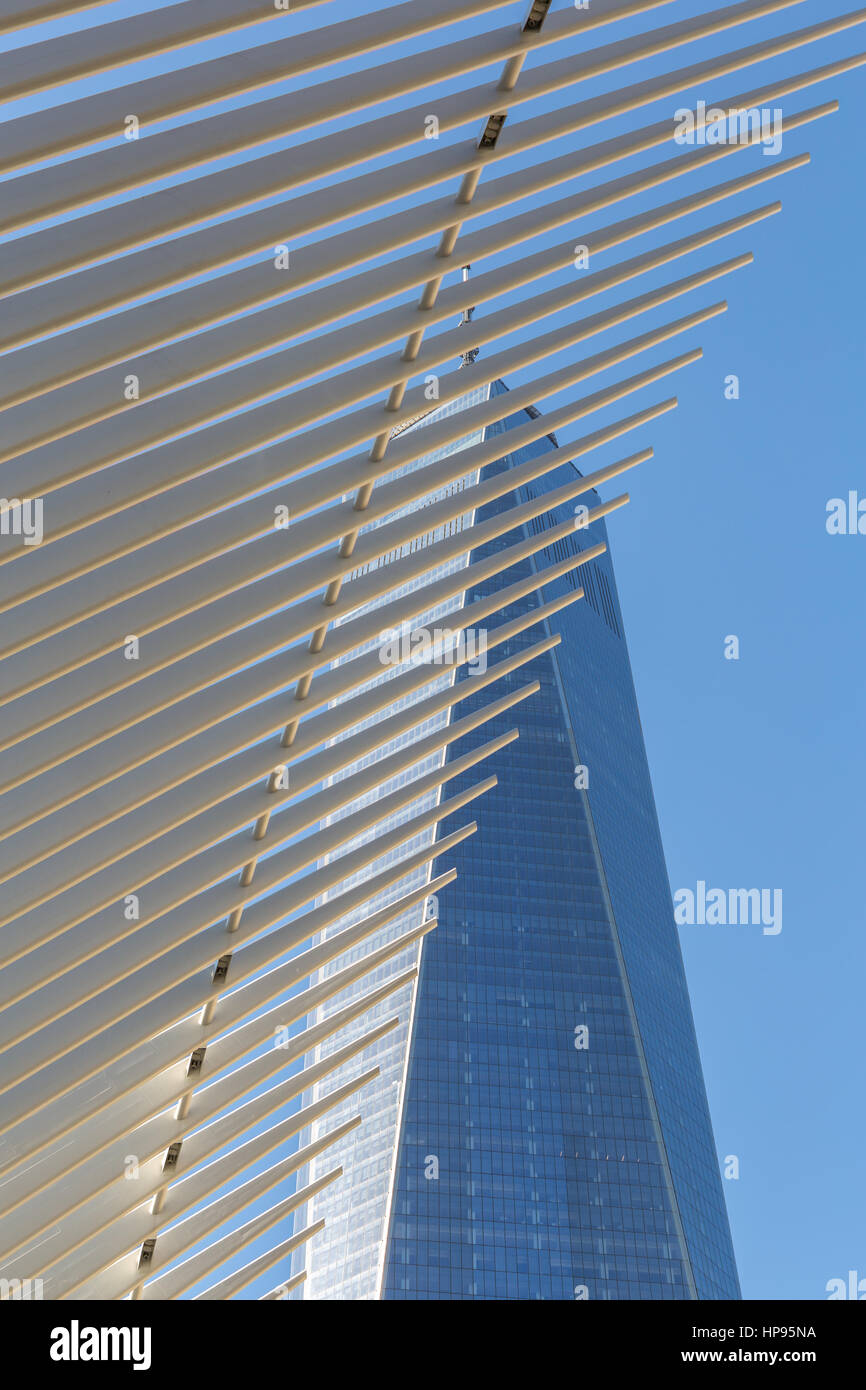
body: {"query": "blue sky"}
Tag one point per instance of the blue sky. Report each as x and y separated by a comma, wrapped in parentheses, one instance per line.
(758, 764)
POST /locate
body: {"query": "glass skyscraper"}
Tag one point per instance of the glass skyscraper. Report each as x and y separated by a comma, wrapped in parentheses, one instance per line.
(540, 1129)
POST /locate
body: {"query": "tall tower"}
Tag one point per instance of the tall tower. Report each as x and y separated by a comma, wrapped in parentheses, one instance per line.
(540, 1127)
(555, 1138)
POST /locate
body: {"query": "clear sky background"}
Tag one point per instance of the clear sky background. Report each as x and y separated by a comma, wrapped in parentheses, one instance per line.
(758, 764)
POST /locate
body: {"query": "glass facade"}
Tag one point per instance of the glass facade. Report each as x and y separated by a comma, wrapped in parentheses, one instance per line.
(345, 1260)
(546, 1131)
